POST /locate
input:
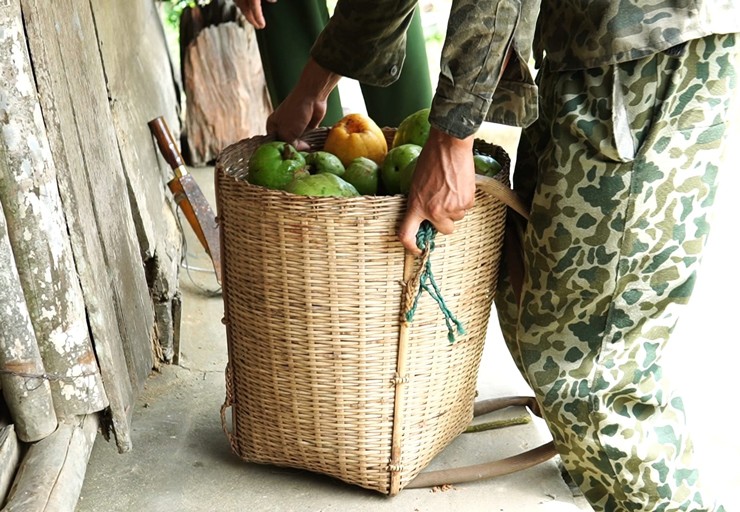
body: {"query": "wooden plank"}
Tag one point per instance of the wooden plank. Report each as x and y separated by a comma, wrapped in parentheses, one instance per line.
(28, 398)
(10, 458)
(73, 96)
(51, 474)
(141, 87)
(38, 235)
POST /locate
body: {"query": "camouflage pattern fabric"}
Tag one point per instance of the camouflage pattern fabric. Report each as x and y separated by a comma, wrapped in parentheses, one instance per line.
(365, 40)
(579, 34)
(621, 168)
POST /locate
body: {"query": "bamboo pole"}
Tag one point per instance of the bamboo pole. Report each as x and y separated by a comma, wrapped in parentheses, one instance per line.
(10, 458)
(396, 462)
(52, 472)
(38, 234)
(27, 393)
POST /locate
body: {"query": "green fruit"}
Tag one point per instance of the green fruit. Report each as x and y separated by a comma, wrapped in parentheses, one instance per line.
(414, 129)
(323, 161)
(407, 175)
(275, 164)
(364, 175)
(396, 159)
(323, 184)
(486, 165)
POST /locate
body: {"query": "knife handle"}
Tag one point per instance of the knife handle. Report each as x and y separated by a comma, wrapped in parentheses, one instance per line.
(167, 146)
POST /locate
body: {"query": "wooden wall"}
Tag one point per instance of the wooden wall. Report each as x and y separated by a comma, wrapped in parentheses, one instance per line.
(89, 244)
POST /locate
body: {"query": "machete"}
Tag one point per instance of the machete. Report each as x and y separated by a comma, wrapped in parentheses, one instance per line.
(188, 195)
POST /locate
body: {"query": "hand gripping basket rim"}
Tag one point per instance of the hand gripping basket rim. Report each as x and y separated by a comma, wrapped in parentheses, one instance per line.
(323, 372)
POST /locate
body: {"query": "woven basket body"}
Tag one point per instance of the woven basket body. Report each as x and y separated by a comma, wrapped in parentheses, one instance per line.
(323, 374)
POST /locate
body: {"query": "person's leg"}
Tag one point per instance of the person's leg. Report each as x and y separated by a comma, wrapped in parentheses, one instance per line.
(291, 28)
(388, 106)
(612, 250)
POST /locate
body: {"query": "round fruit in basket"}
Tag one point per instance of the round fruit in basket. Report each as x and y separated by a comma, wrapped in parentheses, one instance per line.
(364, 174)
(356, 135)
(322, 184)
(275, 164)
(397, 158)
(323, 161)
(414, 129)
(486, 165)
(407, 175)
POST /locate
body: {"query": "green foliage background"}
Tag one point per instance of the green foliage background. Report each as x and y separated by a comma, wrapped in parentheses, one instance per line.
(172, 9)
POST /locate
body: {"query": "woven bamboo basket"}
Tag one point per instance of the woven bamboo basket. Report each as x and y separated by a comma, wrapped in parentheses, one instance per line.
(324, 373)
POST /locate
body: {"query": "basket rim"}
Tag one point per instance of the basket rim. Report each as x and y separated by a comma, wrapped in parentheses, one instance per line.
(240, 151)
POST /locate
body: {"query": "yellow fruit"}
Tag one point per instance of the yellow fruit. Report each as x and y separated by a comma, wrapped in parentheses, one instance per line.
(354, 136)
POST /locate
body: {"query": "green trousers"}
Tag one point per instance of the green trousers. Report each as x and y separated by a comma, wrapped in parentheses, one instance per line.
(292, 26)
(621, 172)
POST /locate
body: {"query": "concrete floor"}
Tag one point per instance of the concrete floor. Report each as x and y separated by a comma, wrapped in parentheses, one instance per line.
(181, 460)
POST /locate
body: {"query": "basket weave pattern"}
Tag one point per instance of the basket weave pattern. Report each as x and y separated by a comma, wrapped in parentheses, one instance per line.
(323, 374)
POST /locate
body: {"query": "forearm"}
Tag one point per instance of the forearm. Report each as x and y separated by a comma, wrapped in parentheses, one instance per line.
(316, 81)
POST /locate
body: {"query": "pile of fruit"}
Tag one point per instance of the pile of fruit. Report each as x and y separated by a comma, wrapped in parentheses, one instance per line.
(354, 161)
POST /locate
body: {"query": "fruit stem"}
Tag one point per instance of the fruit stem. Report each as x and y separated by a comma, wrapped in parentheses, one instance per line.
(288, 152)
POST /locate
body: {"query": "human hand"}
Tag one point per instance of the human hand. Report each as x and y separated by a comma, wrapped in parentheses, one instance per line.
(294, 116)
(443, 187)
(252, 10)
(305, 106)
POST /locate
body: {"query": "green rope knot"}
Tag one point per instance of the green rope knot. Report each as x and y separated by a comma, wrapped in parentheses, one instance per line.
(425, 242)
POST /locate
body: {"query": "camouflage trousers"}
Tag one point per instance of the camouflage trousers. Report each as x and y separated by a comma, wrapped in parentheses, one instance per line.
(621, 171)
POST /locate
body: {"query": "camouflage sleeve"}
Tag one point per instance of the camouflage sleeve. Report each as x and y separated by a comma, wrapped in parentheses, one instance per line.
(366, 40)
(473, 86)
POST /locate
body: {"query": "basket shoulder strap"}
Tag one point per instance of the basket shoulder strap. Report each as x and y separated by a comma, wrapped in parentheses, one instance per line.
(495, 468)
(503, 193)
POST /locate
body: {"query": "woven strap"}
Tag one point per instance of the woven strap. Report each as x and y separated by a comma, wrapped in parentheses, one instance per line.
(514, 232)
(503, 193)
(531, 457)
(492, 469)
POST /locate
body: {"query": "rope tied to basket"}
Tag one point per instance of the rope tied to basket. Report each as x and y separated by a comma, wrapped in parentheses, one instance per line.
(424, 281)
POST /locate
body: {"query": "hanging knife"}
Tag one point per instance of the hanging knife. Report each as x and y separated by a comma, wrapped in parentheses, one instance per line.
(188, 195)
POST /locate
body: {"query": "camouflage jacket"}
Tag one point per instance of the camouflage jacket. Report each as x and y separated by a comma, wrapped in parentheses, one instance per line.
(365, 40)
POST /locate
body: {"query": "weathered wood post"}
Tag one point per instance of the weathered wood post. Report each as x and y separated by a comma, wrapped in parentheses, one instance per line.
(37, 231)
(227, 98)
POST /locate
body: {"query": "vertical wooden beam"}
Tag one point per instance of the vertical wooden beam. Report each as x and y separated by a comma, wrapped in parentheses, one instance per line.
(227, 98)
(38, 234)
(141, 87)
(74, 98)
